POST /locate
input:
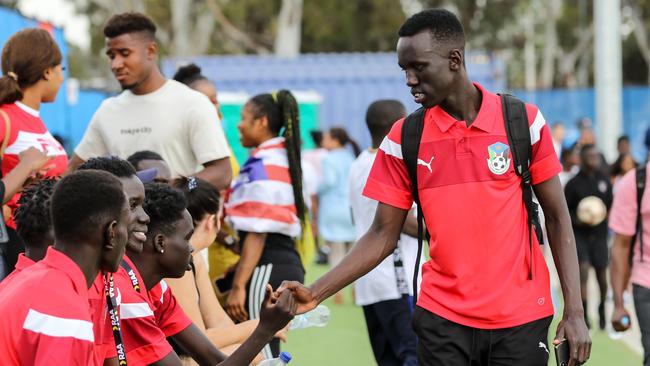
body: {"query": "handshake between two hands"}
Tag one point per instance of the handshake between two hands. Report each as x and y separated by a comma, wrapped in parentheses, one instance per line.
(279, 307)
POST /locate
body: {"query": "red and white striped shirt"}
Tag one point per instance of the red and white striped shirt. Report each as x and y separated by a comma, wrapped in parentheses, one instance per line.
(261, 199)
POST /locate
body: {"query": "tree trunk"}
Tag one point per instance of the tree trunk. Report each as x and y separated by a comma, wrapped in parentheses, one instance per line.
(530, 59)
(568, 60)
(232, 32)
(640, 34)
(181, 10)
(287, 40)
(550, 45)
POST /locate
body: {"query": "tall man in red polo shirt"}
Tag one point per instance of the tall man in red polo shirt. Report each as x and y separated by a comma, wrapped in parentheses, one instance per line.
(46, 314)
(478, 304)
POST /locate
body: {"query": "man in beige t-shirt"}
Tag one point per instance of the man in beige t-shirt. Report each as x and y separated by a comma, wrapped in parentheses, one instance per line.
(153, 113)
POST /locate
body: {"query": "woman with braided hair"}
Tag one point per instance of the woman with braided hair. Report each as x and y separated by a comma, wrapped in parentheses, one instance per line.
(267, 205)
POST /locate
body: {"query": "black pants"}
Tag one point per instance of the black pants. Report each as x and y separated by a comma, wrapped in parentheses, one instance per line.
(392, 338)
(445, 343)
(642, 306)
(272, 274)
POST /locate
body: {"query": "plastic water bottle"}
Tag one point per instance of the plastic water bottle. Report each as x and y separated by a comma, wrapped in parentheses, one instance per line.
(315, 318)
(284, 359)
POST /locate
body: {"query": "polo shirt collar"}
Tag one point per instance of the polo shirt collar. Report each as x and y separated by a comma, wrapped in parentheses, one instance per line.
(484, 120)
(62, 262)
(23, 262)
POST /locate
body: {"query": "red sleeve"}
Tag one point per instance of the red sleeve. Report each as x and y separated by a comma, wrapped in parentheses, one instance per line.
(389, 181)
(170, 316)
(145, 343)
(544, 162)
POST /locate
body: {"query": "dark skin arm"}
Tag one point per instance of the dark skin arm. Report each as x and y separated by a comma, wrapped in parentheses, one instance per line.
(74, 163)
(378, 243)
(198, 346)
(620, 271)
(218, 172)
(111, 362)
(572, 327)
(274, 315)
(411, 225)
(250, 256)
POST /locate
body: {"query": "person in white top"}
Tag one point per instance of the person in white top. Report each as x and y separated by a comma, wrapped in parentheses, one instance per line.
(153, 113)
(385, 293)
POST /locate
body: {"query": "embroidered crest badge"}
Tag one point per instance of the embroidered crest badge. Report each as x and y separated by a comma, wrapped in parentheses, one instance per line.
(499, 158)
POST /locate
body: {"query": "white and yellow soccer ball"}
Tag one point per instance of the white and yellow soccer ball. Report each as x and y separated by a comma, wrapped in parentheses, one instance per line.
(591, 211)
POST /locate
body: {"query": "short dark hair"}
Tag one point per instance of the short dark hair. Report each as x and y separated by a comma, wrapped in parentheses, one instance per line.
(112, 164)
(189, 74)
(622, 139)
(442, 24)
(164, 205)
(381, 115)
(587, 147)
(84, 201)
(137, 157)
(202, 197)
(130, 22)
(33, 220)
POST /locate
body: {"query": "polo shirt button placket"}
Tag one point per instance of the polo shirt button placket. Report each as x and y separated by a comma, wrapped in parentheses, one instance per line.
(462, 143)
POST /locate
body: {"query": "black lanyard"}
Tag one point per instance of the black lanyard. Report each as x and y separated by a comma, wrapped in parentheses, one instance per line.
(109, 288)
(132, 276)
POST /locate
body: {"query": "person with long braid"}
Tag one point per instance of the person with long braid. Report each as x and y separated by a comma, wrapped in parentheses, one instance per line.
(267, 205)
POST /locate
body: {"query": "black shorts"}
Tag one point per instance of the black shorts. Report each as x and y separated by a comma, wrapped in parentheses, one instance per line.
(594, 252)
(391, 336)
(445, 343)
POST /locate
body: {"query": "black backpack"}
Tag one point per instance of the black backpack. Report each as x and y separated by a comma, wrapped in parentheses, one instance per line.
(518, 132)
(640, 189)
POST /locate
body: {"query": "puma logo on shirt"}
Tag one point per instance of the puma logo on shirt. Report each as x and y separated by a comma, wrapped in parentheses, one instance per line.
(427, 165)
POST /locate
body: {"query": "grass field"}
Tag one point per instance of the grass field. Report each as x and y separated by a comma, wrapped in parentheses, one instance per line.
(344, 342)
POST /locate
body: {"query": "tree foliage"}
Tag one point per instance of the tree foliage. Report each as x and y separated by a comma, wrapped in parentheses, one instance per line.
(559, 41)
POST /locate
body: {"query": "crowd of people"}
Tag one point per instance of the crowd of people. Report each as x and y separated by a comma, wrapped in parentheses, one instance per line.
(151, 245)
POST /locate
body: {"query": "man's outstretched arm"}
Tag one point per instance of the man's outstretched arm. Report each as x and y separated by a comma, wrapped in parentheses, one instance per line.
(563, 246)
(370, 250)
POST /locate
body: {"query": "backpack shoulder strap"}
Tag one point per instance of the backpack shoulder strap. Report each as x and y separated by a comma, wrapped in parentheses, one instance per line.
(640, 190)
(518, 133)
(411, 135)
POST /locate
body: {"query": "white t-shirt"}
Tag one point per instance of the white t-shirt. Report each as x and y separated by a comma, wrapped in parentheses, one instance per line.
(175, 121)
(380, 284)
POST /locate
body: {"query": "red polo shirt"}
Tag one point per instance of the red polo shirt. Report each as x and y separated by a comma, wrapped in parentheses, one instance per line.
(474, 211)
(102, 331)
(148, 318)
(46, 318)
(22, 263)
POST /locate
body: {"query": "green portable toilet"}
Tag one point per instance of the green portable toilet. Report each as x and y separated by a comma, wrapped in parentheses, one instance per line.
(232, 103)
